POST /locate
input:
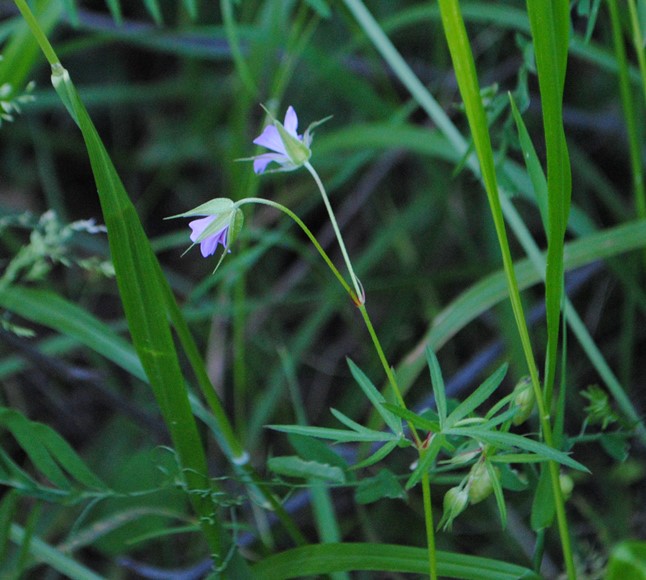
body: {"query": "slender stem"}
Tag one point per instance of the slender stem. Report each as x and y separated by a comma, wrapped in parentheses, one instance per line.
(310, 235)
(430, 526)
(638, 42)
(627, 101)
(36, 30)
(392, 380)
(355, 281)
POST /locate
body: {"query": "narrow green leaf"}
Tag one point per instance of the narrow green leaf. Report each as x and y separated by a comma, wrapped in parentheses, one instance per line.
(437, 382)
(543, 508)
(377, 456)
(498, 493)
(21, 428)
(550, 26)
(49, 451)
(532, 163)
(516, 458)
(427, 457)
(115, 10)
(321, 7)
(155, 11)
(414, 418)
(294, 466)
(315, 450)
(376, 398)
(627, 560)
(507, 440)
(349, 422)
(191, 8)
(8, 509)
(53, 558)
(339, 435)
(21, 51)
(72, 11)
(319, 559)
(142, 293)
(384, 484)
(479, 396)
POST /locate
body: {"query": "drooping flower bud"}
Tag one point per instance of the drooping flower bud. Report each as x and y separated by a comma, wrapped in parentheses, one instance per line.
(523, 400)
(455, 502)
(567, 485)
(480, 484)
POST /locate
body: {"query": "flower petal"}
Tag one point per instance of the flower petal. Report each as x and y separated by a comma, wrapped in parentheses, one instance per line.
(198, 227)
(208, 246)
(291, 121)
(261, 161)
(270, 138)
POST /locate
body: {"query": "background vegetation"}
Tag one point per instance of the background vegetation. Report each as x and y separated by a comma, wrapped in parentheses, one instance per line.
(92, 484)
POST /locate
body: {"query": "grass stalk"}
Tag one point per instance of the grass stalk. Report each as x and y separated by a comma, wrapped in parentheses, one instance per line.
(464, 66)
(627, 101)
(638, 43)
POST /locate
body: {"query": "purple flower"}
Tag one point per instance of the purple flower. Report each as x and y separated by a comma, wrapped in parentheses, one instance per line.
(209, 242)
(290, 150)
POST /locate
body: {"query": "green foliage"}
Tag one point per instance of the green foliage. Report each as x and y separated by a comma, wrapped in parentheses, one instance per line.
(327, 558)
(134, 374)
(627, 560)
(51, 456)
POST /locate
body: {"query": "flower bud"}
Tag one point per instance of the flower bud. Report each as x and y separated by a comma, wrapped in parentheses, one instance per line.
(523, 400)
(455, 502)
(480, 484)
(567, 485)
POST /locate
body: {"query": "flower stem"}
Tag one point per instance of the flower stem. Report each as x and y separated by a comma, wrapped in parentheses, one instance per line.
(355, 297)
(382, 357)
(355, 281)
(430, 527)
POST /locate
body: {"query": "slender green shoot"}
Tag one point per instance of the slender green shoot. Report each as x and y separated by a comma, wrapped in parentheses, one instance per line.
(627, 101)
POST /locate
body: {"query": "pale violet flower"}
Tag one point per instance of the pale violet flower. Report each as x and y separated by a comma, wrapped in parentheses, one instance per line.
(220, 223)
(208, 244)
(290, 150)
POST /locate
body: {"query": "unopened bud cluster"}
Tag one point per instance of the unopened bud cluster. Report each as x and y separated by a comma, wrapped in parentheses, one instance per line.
(474, 488)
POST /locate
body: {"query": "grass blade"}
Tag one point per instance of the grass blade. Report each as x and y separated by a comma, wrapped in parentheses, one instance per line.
(328, 558)
(550, 23)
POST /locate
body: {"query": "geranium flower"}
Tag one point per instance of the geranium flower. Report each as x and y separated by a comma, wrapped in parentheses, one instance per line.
(208, 244)
(220, 224)
(290, 150)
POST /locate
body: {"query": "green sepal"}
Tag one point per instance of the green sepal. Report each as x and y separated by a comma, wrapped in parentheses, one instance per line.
(218, 205)
(296, 150)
